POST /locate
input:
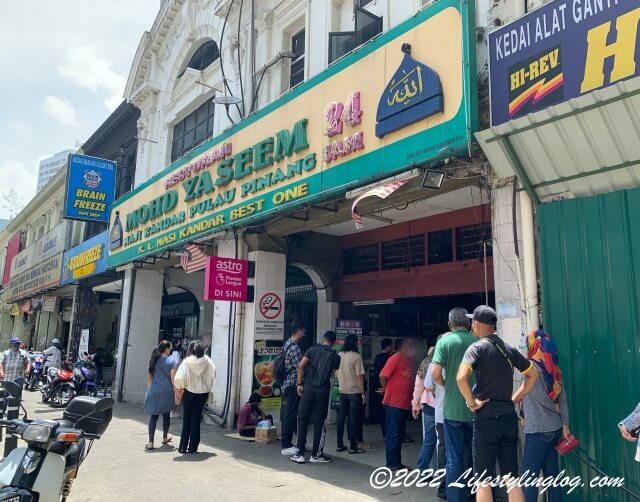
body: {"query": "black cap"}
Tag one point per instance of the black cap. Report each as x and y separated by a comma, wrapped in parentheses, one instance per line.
(485, 315)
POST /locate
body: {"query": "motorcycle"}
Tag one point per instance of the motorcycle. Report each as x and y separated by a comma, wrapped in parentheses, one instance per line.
(44, 471)
(36, 375)
(84, 379)
(59, 388)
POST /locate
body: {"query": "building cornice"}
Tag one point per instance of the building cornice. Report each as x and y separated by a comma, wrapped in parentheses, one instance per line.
(149, 45)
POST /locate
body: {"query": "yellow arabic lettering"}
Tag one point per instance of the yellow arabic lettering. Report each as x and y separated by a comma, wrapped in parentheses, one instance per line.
(411, 86)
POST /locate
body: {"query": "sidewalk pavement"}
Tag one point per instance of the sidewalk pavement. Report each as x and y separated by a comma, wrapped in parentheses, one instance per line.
(119, 468)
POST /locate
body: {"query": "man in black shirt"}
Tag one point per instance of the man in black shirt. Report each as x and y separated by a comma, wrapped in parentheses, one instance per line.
(495, 425)
(314, 387)
(378, 363)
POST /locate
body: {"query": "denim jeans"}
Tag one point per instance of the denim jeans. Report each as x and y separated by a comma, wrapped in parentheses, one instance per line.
(427, 459)
(540, 454)
(442, 459)
(458, 445)
(396, 429)
(351, 407)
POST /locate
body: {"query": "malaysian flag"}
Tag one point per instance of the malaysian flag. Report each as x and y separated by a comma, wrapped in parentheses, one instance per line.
(193, 258)
(382, 192)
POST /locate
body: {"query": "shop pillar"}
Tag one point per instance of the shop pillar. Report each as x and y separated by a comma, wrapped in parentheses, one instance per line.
(138, 334)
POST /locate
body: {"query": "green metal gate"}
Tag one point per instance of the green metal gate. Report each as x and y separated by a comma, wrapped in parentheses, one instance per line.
(590, 271)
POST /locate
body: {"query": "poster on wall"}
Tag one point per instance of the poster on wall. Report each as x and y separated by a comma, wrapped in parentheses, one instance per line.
(91, 185)
(83, 346)
(270, 315)
(265, 351)
(344, 327)
(226, 279)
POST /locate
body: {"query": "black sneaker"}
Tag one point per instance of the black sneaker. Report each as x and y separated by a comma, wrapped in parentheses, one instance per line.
(341, 448)
(320, 459)
(298, 459)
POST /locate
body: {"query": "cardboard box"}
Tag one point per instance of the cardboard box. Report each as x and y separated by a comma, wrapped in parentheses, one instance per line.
(266, 436)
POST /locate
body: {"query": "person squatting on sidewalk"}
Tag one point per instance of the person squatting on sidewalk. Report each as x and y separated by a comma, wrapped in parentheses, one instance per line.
(315, 371)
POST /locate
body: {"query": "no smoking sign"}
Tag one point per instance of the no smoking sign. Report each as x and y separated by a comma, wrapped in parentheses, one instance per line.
(270, 305)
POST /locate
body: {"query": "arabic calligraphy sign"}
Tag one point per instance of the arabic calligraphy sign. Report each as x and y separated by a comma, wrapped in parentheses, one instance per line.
(414, 93)
(318, 140)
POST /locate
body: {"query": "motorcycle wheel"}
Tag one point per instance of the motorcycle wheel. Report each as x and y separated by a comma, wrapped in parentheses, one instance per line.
(61, 396)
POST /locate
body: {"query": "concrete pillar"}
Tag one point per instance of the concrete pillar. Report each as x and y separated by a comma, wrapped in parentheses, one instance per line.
(143, 331)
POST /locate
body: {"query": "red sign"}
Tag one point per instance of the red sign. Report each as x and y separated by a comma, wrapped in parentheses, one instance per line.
(270, 305)
(226, 279)
(13, 248)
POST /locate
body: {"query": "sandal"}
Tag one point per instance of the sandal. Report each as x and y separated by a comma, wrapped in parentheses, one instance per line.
(168, 439)
(148, 446)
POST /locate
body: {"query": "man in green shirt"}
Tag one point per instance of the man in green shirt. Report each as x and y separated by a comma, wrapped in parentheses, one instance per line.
(458, 419)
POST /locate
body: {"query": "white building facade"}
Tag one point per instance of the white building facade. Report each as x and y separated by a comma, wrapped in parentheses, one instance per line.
(201, 50)
(48, 167)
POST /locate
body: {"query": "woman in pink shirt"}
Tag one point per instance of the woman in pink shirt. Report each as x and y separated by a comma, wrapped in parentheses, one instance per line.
(424, 401)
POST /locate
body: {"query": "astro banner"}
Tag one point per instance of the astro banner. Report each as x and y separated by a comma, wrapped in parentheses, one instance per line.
(560, 51)
(90, 188)
(332, 133)
(85, 260)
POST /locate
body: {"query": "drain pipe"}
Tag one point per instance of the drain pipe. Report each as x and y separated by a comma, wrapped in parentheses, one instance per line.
(238, 339)
(529, 263)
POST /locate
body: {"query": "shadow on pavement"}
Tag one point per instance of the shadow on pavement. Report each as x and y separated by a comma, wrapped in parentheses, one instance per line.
(195, 457)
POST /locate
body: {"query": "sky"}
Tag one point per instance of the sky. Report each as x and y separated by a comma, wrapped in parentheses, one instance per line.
(63, 67)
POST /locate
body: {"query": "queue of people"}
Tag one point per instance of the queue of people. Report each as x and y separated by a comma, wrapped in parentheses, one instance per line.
(170, 383)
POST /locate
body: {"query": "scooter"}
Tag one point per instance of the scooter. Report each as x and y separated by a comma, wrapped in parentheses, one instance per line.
(36, 375)
(84, 379)
(59, 388)
(44, 471)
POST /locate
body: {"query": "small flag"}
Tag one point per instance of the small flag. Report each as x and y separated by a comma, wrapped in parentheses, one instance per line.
(193, 259)
(382, 192)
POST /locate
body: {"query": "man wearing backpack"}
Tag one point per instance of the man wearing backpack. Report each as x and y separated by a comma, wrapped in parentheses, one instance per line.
(292, 355)
(314, 387)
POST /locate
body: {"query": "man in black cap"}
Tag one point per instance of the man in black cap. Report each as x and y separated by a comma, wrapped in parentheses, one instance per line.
(495, 425)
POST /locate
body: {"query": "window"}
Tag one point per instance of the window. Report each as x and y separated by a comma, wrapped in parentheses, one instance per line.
(361, 260)
(206, 54)
(440, 247)
(367, 26)
(403, 253)
(469, 241)
(297, 64)
(194, 129)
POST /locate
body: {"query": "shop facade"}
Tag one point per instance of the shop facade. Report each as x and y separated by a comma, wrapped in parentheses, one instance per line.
(564, 106)
(36, 239)
(277, 188)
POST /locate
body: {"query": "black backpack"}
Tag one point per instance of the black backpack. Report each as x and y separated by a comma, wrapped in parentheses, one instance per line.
(278, 366)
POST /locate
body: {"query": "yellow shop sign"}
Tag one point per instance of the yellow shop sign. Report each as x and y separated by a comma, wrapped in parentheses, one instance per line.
(332, 133)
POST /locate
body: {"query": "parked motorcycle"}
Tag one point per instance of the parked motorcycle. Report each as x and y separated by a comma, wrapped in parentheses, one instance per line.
(84, 378)
(44, 471)
(36, 376)
(60, 388)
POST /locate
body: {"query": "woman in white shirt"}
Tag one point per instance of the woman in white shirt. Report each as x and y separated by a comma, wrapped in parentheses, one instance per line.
(195, 377)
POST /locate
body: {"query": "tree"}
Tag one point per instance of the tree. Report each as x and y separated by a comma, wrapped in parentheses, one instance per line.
(12, 202)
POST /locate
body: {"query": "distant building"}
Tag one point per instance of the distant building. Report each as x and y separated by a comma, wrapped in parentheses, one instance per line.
(3, 223)
(50, 166)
